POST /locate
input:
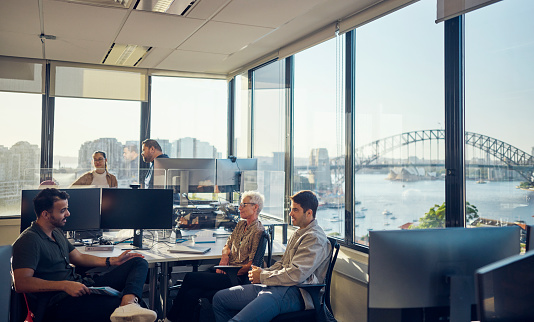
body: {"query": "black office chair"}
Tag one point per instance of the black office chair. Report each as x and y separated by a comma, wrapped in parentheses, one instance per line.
(204, 311)
(321, 300)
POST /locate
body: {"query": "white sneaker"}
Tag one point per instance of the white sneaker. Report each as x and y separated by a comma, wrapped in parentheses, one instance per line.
(133, 313)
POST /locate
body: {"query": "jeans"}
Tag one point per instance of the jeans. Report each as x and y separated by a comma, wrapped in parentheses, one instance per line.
(256, 302)
(128, 278)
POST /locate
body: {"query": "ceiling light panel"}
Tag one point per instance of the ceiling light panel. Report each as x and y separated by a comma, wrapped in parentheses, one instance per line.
(125, 55)
(104, 3)
(173, 7)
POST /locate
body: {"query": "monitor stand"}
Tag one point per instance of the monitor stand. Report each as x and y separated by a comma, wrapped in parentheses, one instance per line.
(138, 240)
(460, 299)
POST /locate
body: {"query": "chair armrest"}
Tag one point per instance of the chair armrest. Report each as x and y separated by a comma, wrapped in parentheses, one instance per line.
(315, 292)
(231, 271)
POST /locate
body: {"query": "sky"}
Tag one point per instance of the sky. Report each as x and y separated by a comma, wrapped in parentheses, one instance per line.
(399, 82)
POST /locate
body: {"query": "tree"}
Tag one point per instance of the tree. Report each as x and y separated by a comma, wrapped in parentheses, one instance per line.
(435, 218)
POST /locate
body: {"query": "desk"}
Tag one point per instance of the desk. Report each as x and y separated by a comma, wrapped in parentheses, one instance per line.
(159, 254)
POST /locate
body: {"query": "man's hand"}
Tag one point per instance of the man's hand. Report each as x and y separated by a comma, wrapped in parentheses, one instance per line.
(75, 289)
(254, 274)
(123, 258)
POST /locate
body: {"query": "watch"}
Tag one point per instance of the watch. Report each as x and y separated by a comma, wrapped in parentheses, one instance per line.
(108, 263)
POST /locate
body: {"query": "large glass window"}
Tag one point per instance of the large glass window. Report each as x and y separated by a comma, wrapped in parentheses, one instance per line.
(20, 140)
(242, 118)
(319, 131)
(399, 146)
(189, 116)
(83, 126)
(499, 99)
(269, 132)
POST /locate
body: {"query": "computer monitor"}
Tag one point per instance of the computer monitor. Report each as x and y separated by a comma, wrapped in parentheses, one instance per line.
(185, 175)
(505, 291)
(136, 209)
(84, 208)
(229, 173)
(432, 268)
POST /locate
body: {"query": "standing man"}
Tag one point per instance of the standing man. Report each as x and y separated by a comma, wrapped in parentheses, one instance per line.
(275, 289)
(151, 151)
(130, 166)
(43, 268)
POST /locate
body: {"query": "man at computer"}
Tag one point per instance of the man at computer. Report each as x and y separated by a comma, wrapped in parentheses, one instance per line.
(151, 151)
(275, 289)
(43, 268)
(239, 250)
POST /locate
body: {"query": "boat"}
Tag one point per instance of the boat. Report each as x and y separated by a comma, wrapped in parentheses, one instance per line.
(359, 215)
(363, 209)
(386, 212)
(393, 217)
(335, 219)
(386, 224)
(327, 229)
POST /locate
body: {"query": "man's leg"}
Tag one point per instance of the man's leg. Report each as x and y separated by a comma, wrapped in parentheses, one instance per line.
(128, 277)
(228, 302)
(194, 286)
(270, 302)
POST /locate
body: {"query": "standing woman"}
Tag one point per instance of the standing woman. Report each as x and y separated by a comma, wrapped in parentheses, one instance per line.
(99, 177)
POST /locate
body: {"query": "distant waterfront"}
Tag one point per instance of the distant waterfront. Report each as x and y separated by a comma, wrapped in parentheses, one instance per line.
(409, 201)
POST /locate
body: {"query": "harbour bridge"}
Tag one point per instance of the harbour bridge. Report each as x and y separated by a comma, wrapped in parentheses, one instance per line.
(366, 156)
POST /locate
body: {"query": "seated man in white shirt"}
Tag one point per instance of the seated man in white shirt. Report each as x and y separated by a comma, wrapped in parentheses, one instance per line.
(275, 289)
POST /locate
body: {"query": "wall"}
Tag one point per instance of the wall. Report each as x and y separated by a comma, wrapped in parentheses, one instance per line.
(9, 230)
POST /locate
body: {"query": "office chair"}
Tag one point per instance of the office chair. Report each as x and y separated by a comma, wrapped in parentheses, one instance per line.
(204, 310)
(321, 300)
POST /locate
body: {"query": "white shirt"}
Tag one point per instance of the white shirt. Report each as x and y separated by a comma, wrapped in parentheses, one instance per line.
(99, 180)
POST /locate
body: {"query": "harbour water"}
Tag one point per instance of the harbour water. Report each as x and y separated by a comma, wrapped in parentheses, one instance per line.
(409, 201)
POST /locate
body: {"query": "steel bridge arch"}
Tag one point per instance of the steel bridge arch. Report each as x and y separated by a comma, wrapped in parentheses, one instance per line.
(514, 158)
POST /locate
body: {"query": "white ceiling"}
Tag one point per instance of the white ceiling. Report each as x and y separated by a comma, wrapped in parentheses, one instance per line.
(214, 37)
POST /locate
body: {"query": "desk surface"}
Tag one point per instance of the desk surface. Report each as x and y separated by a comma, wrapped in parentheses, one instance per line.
(159, 252)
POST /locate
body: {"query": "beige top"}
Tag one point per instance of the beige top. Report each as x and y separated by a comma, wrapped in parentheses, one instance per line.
(244, 241)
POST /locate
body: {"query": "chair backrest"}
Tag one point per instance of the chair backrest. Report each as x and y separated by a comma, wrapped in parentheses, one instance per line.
(328, 277)
(5, 281)
(260, 252)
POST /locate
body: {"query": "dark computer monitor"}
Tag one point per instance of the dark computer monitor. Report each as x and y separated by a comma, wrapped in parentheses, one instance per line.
(505, 291)
(84, 208)
(136, 209)
(229, 173)
(432, 268)
(5, 281)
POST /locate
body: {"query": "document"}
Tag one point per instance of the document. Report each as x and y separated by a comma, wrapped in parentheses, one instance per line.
(189, 249)
(104, 290)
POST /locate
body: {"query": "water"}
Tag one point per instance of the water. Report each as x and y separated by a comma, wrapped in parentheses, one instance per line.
(409, 201)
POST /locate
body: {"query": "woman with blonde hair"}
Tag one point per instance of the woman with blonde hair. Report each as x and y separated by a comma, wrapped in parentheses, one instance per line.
(99, 177)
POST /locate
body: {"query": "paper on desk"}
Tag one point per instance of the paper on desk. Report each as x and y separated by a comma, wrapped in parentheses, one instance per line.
(204, 236)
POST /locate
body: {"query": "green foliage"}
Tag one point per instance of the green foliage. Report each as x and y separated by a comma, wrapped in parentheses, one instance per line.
(525, 185)
(435, 218)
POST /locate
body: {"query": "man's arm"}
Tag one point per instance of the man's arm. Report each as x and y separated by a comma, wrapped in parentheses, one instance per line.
(309, 255)
(25, 282)
(79, 259)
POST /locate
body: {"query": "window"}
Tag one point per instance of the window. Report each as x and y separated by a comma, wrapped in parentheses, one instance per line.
(242, 117)
(190, 117)
(20, 140)
(269, 132)
(319, 131)
(499, 98)
(399, 146)
(83, 126)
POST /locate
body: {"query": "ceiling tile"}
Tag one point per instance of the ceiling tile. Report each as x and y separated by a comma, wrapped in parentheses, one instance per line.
(80, 21)
(20, 45)
(206, 8)
(191, 61)
(78, 50)
(154, 57)
(272, 13)
(20, 16)
(156, 29)
(223, 38)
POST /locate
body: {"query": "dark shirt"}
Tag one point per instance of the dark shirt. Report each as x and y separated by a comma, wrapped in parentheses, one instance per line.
(149, 178)
(48, 258)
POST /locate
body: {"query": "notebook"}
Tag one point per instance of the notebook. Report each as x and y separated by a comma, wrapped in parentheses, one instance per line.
(189, 249)
(104, 290)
